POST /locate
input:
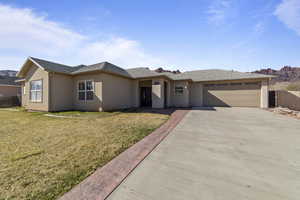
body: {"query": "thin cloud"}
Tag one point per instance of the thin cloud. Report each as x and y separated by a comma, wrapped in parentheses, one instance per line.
(218, 11)
(288, 12)
(259, 28)
(24, 33)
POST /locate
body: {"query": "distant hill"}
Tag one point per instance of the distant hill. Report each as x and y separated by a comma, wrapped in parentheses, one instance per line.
(9, 73)
(285, 74)
(162, 70)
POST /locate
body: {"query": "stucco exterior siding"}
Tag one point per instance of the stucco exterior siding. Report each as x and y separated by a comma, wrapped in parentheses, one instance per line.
(180, 100)
(117, 92)
(264, 96)
(90, 105)
(158, 93)
(135, 94)
(61, 92)
(24, 100)
(36, 73)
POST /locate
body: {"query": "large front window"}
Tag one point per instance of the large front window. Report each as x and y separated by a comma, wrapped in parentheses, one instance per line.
(85, 90)
(36, 91)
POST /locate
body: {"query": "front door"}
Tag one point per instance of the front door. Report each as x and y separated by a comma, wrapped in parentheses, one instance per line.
(146, 96)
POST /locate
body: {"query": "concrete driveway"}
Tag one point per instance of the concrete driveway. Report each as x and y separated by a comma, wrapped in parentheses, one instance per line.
(226, 154)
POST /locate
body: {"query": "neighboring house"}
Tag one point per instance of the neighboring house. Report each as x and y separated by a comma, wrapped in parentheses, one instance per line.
(49, 86)
(10, 91)
(8, 87)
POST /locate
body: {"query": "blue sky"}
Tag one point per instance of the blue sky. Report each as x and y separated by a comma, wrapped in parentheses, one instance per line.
(243, 35)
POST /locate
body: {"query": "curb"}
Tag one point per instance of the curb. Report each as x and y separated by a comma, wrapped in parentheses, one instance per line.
(105, 180)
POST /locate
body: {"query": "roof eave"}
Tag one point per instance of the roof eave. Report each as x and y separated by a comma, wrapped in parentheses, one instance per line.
(236, 79)
(100, 70)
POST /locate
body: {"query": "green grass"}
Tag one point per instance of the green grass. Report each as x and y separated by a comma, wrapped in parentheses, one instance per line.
(43, 157)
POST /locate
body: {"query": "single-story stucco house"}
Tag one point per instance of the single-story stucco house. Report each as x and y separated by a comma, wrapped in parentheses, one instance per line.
(49, 86)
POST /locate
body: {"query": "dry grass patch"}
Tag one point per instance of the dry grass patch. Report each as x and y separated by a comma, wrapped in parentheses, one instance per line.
(43, 157)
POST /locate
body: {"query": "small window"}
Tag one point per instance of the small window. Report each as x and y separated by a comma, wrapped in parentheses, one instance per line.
(179, 90)
(36, 91)
(85, 90)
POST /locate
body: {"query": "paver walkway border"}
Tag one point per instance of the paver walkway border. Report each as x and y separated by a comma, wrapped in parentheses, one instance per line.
(103, 181)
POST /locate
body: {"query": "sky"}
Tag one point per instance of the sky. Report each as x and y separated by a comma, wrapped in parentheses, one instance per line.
(242, 35)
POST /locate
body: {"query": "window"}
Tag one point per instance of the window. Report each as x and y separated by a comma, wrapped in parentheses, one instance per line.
(36, 88)
(178, 90)
(85, 90)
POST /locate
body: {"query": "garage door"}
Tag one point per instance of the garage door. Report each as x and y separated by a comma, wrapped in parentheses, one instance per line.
(232, 94)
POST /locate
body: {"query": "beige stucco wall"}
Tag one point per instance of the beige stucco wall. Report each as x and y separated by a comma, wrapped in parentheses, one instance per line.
(288, 99)
(9, 91)
(61, 92)
(117, 92)
(196, 94)
(97, 102)
(158, 93)
(23, 97)
(135, 93)
(168, 92)
(182, 100)
(264, 96)
(36, 73)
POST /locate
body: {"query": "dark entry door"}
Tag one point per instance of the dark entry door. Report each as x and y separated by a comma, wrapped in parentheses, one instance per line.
(146, 96)
(272, 99)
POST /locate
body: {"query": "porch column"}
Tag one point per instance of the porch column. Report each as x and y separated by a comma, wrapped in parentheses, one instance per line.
(158, 93)
(264, 96)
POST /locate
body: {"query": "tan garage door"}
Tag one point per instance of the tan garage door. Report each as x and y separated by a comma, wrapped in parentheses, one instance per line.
(232, 94)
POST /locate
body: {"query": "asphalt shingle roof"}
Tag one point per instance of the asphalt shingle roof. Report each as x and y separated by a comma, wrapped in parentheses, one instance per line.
(104, 66)
(142, 72)
(217, 75)
(60, 68)
(198, 75)
(5, 80)
(52, 66)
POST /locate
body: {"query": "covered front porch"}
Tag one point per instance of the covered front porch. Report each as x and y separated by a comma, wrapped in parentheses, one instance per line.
(154, 93)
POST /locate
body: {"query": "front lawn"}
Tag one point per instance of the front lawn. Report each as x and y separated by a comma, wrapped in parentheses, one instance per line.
(42, 157)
